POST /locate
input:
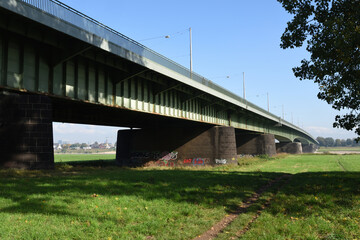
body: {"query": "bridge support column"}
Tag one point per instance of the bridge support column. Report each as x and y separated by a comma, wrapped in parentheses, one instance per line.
(192, 146)
(255, 144)
(26, 136)
(289, 147)
(309, 148)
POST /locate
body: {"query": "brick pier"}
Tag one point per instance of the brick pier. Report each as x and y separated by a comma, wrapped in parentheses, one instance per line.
(26, 136)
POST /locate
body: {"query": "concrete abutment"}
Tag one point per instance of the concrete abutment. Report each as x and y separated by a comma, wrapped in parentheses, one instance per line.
(26, 135)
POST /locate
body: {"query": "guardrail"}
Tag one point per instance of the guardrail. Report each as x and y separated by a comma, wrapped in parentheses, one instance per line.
(74, 17)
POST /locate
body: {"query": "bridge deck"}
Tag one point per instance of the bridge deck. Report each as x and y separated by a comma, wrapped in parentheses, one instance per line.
(106, 68)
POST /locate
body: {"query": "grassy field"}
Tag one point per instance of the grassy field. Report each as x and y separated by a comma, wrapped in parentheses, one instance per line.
(336, 149)
(321, 201)
(62, 158)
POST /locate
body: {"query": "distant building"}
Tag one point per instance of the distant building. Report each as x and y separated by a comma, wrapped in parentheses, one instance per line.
(57, 147)
(86, 148)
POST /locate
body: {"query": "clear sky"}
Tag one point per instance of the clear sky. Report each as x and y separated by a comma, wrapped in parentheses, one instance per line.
(229, 37)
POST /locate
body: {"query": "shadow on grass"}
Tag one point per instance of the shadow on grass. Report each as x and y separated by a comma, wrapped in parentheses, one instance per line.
(200, 187)
(89, 163)
(313, 193)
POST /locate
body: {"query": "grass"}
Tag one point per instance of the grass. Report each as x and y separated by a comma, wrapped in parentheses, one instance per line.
(313, 206)
(321, 201)
(82, 157)
(103, 203)
(334, 149)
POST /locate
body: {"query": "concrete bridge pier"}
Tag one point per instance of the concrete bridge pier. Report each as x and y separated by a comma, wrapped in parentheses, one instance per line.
(255, 144)
(309, 148)
(176, 146)
(26, 136)
(289, 147)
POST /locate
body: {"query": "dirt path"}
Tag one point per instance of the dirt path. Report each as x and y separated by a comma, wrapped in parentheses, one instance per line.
(220, 226)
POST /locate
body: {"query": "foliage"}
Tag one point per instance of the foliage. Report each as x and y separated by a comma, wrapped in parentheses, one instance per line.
(331, 29)
(321, 141)
(330, 142)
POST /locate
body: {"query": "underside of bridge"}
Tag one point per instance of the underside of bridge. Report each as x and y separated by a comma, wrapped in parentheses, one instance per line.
(54, 70)
(27, 141)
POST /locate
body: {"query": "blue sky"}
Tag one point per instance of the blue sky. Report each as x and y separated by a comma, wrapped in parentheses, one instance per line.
(229, 37)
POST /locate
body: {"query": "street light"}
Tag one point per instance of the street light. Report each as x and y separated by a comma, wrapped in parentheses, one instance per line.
(168, 36)
(190, 53)
(244, 84)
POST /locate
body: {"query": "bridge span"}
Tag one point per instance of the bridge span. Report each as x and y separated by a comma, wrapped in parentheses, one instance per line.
(57, 64)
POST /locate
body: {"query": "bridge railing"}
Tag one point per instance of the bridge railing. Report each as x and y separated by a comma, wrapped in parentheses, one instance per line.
(74, 17)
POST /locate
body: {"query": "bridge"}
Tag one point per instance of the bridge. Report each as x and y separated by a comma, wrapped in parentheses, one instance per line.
(58, 64)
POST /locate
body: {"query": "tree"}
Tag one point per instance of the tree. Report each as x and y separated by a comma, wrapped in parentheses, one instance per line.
(349, 142)
(337, 143)
(321, 141)
(355, 143)
(83, 145)
(331, 29)
(95, 145)
(329, 141)
(75, 145)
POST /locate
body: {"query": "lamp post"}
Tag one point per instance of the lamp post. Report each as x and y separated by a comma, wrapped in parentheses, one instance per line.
(190, 38)
(244, 84)
(168, 36)
(190, 52)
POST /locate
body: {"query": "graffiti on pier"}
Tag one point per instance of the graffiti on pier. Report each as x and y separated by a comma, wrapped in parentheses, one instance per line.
(145, 158)
(196, 161)
(188, 161)
(169, 156)
(166, 163)
(220, 161)
(168, 160)
(154, 155)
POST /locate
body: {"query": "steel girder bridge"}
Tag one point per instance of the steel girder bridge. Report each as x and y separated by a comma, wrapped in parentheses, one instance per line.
(96, 75)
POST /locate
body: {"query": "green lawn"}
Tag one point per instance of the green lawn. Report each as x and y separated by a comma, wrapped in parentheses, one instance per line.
(321, 201)
(307, 163)
(331, 149)
(103, 203)
(82, 157)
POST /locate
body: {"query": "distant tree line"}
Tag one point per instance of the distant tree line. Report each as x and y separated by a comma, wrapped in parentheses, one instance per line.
(330, 142)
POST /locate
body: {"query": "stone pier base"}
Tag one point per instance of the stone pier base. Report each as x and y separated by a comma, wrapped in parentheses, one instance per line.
(309, 148)
(254, 144)
(289, 147)
(176, 146)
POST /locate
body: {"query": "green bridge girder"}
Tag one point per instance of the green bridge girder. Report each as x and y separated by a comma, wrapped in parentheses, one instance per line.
(45, 54)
